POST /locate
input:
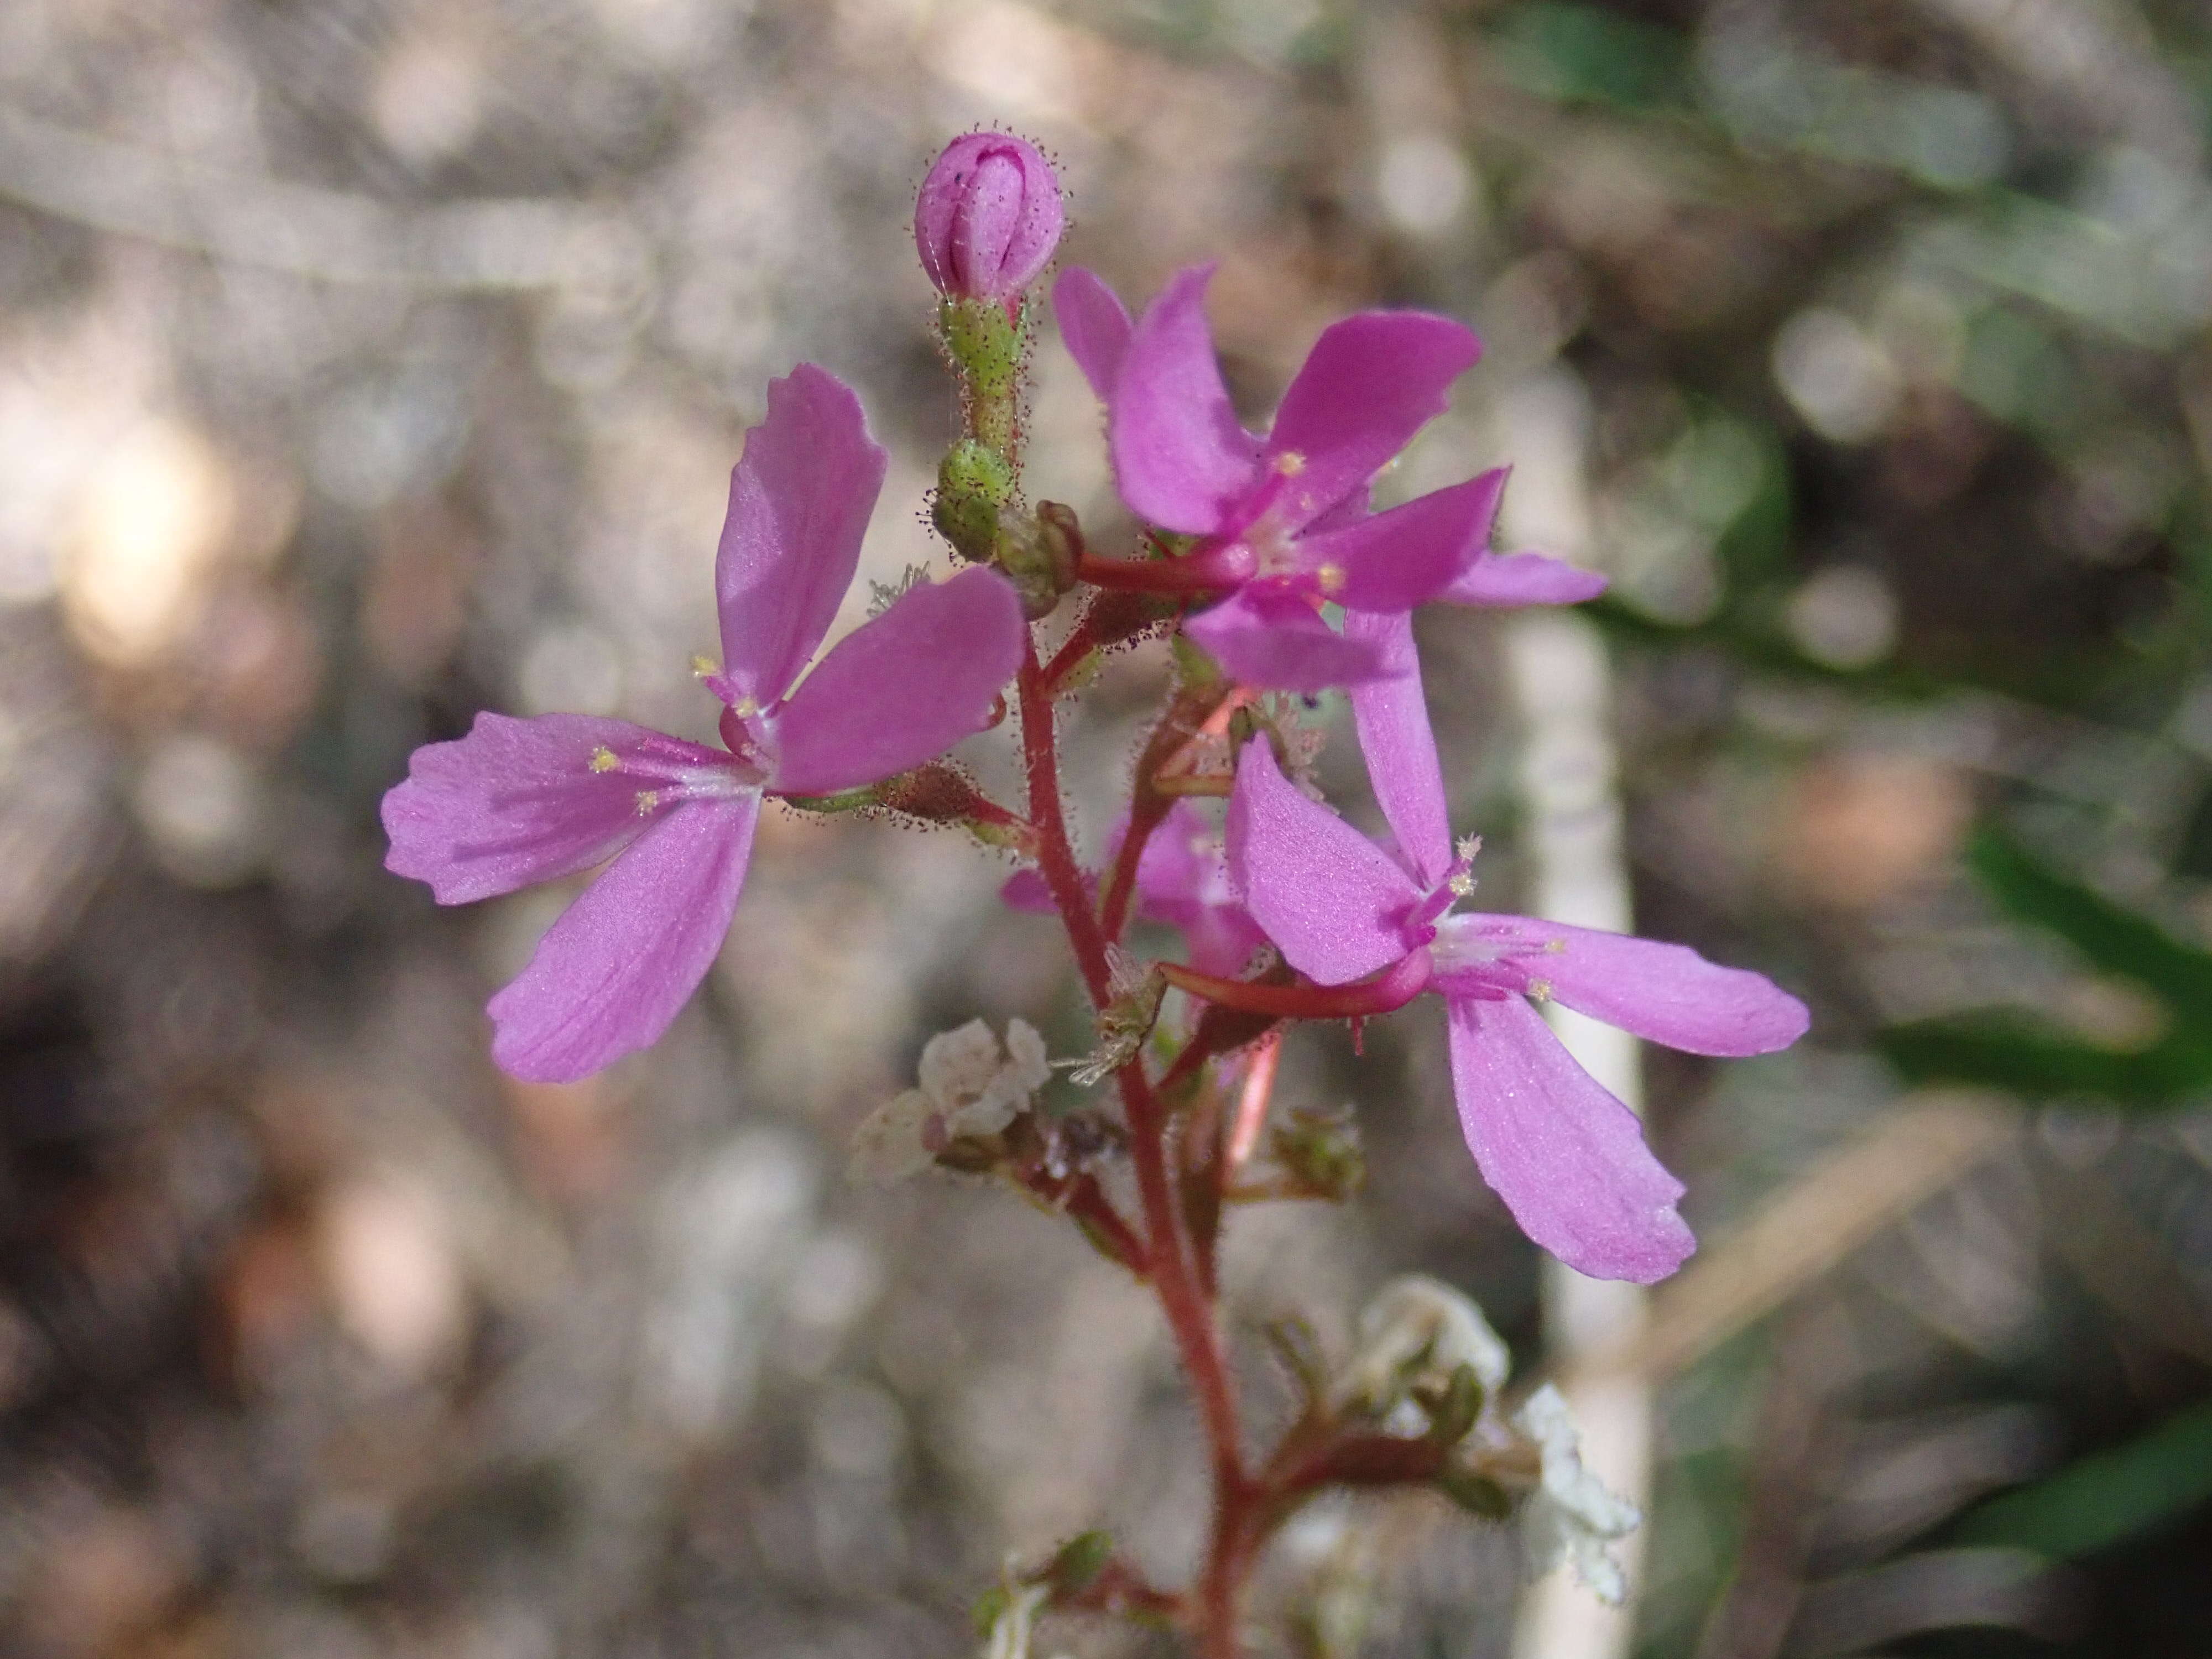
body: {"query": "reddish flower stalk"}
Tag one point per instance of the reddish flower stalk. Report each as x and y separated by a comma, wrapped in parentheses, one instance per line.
(1392, 988)
(1168, 1248)
(1252, 1101)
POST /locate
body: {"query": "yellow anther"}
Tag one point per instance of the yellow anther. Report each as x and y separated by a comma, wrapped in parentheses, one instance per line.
(703, 666)
(603, 759)
(1462, 885)
(1289, 463)
(1469, 847)
(646, 800)
(745, 707)
(1557, 947)
(1540, 990)
(1330, 578)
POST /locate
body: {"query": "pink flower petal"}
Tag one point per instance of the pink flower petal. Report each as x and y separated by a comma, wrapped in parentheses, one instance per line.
(901, 689)
(1330, 898)
(519, 802)
(1396, 559)
(1184, 879)
(1391, 714)
(1569, 1159)
(1025, 891)
(1279, 640)
(1663, 992)
(1180, 457)
(1506, 580)
(1094, 327)
(799, 501)
(1369, 383)
(621, 962)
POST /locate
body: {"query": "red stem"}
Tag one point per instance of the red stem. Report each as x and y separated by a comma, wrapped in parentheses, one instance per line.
(1188, 575)
(1191, 710)
(1168, 1250)
(1063, 875)
(1392, 988)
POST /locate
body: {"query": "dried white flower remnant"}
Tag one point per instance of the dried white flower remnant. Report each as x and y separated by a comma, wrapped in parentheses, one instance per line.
(1573, 1517)
(969, 1086)
(1414, 1328)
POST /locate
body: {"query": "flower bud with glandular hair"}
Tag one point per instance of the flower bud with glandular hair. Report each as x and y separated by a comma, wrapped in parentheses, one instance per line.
(988, 217)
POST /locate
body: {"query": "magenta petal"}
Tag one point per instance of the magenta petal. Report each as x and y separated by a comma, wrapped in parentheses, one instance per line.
(1396, 559)
(1094, 326)
(1369, 383)
(1280, 641)
(1663, 992)
(1504, 581)
(620, 962)
(518, 801)
(1179, 456)
(901, 689)
(799, 501)
(1391, 714)
(1569, 1159)
(1025, 891)
(1184, 879)
(1182, 861)
(1330, 898)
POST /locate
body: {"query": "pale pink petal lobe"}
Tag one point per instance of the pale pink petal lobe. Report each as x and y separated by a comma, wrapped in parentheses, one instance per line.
(1026, 889)
(1369, 383)
(1280, 641)
(799, 501)
(519, 802)
(1505, 581)
(621, 962)
(1094, 326)
(1180, 457)
(1184, 879)
(901, 689)
(1330, 898)
(1663, 992)
(1395, 560)
(1569, 1159)
(1391, 714)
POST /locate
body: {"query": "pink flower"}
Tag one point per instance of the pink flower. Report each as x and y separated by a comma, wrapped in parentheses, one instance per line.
(1283, 522)
(1568, 1158)
(520, 801)
(1183, 880)
(988, 217)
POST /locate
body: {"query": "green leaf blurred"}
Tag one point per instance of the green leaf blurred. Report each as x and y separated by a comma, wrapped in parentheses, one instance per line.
(2021, 1052)
(2107, 1499)
(2115, 938)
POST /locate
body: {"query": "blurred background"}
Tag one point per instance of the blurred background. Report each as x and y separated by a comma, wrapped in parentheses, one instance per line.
(365, 363)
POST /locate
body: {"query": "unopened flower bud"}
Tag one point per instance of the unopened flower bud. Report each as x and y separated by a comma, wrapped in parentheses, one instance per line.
(988, 217)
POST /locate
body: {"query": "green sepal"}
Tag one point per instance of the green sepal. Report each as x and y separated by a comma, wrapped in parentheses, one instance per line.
(983, 340)
(845, 800)
(1477, 1493)
(1080, 1561)
(992, 1605)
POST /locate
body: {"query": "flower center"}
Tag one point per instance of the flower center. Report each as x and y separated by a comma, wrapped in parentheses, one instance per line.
(666, 771)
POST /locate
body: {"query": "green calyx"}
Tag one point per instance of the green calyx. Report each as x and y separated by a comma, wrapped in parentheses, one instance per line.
(985, 345)
(983, 341)
(975, 486)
